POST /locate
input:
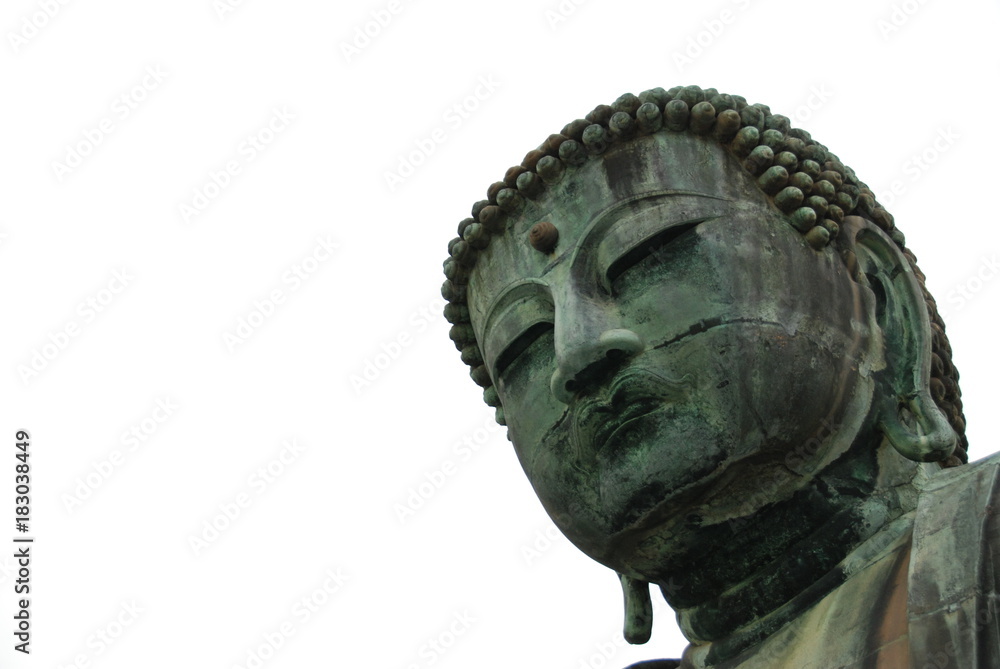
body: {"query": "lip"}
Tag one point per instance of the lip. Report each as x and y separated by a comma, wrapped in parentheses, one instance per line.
(609, 429)
(632, 395)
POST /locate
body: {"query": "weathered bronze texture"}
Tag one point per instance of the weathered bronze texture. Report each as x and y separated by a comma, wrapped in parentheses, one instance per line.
(723, 375)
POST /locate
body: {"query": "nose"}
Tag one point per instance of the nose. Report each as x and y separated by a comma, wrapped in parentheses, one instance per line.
(585, 358)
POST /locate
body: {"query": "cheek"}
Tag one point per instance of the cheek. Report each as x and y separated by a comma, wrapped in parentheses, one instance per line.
(770, 389)
(669, 293)
(800, 392)
(529, 407)
(670, 451)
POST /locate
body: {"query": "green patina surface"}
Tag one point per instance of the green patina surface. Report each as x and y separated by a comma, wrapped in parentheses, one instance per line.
(718, 366)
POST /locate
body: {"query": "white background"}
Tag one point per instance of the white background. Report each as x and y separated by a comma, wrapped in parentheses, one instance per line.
(474, 568)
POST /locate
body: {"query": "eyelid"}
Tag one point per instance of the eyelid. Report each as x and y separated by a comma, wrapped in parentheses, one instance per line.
(510, 322)
(639, 251)
(635, 224)
(520, 344)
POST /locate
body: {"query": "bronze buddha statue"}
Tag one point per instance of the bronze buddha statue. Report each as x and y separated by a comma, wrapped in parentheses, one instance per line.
(723, 376)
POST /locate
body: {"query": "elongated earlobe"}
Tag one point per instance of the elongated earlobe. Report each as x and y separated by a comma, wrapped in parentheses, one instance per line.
(638, 610)
(918, 429)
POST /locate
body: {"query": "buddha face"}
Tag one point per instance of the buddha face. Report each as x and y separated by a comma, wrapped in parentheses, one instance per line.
(677, 346)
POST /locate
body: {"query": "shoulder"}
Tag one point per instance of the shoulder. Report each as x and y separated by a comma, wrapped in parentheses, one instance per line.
(959, 503)
(959, 498)
(973, 474)
(958, 508)
(956, 536)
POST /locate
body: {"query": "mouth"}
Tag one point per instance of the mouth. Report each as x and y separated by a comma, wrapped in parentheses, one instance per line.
(633, 395)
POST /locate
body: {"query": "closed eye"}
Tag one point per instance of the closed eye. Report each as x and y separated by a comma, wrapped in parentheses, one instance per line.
(520, 344)
(651, 246)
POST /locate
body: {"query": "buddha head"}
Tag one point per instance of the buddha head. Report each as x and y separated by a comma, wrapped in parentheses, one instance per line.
(684, 309)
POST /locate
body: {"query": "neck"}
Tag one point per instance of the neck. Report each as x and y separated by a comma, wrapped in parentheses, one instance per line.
(753, 575)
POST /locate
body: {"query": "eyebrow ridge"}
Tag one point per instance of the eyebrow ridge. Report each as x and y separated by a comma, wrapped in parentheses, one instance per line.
(604, 214)
(530, 287)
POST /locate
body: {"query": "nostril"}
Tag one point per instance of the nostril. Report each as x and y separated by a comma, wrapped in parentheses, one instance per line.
(586, 364)
(621, 343)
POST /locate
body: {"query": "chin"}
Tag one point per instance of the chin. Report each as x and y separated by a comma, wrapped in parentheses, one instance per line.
(643, 481)
(656, 459)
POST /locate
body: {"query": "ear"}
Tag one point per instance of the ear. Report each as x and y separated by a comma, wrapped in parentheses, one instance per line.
(905, 413)
(638, 610)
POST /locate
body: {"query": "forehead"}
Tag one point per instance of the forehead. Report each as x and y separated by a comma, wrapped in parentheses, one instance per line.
(649, 175)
